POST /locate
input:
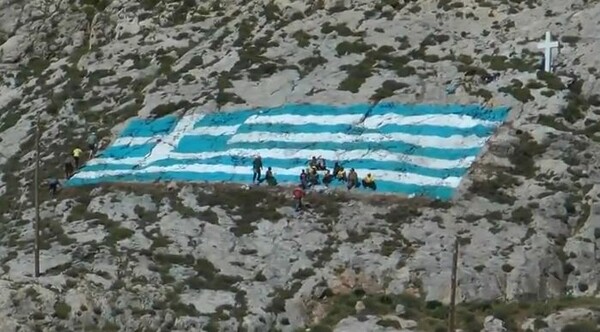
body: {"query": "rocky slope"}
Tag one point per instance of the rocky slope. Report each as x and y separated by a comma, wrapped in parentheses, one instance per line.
(143, 258)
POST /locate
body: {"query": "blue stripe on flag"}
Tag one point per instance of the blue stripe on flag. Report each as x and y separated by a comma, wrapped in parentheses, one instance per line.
(203, 143)
(127, 151)
(224, 119)
(149, 128)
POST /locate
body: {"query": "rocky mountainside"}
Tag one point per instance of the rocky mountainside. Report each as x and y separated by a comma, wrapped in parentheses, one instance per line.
(224, 258)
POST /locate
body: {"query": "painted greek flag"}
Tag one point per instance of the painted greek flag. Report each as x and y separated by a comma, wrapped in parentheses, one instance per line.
(409, 149)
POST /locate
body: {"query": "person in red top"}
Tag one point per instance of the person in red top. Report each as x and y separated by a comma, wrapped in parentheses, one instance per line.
(298, 195)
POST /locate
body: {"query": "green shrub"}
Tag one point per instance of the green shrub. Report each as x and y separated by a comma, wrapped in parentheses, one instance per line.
(170, 108)
(272, 12)
(553, 82)
(521, 94)
(531, 84)
(522, 215)
(570, 39)
(310, 63)
(584, 326)
(465, 59)
(357, 75)
(341, 29)
(356, 47)
(548, 93)
(62, 310)
(502, 63)
(524, 154)
(494, 189)
(483, 93)
(302, 38)
(472, 70)
(550, 121)
(387, 89)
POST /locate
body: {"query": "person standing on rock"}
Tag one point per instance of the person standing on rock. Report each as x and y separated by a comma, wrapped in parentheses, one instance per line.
(53, 185)
(69, 166)
(77, 155)
(303, 179)
(352, 179)
(298, 195)
(92, 142)
(327, 178)
(256, 168)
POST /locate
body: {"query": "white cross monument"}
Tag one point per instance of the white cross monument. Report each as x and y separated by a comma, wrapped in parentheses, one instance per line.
(547, 45)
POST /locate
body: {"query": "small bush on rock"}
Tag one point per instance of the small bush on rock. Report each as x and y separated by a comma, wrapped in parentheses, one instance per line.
(302, 38)
(524, 154)
(249, 205)
(553, 82)
(357, 75)
(518, 92)
(584, 326)
(494, 189)
(62, 310)
(310, 63)
(170, 108)
(387, 89)
(522, 215)
(356, 47)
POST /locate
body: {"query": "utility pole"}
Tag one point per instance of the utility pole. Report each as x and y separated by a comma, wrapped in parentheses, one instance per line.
(37, 198)
(451, 324)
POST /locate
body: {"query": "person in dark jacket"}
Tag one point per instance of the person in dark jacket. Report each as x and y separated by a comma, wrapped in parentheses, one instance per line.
(92, 142)
(303, 179)
(53, 186)
(352, 179)
(69, 166)
(256, 168)
(313, 178)
(327, 178)
(269, 177)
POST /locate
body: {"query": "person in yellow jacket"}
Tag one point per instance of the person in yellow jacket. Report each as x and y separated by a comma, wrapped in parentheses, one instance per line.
(77, 155)
(369, 182)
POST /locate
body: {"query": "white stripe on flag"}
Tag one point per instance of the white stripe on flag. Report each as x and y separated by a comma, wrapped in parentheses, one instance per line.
(375, 121)
(329, 155)
(452, 142)
(398, 177)
(445, 120)
(132, 141)
(305, 119)
(213, 130)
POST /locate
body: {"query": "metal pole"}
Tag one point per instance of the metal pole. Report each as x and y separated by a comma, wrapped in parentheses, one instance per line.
(37, 201)
(451, 325)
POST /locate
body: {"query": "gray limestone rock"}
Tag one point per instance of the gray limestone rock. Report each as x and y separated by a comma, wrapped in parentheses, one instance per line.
(492, 324)
(133, 256)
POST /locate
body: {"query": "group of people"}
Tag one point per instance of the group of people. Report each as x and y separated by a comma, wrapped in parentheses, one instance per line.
(73, 162)
(310, 177)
